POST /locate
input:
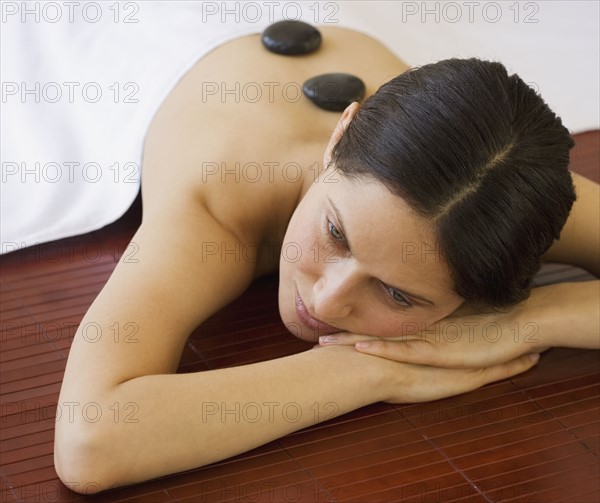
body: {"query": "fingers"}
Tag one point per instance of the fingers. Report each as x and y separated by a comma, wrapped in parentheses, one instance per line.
(420, 351)
(349, 339)
(432, 383)
(410, 351)
(345, 339)
(509, 369)
(438, 354)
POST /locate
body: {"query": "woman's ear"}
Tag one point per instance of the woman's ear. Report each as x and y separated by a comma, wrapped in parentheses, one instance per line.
(347, 115)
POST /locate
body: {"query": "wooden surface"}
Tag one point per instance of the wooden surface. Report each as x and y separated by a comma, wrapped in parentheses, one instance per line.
(533, 438)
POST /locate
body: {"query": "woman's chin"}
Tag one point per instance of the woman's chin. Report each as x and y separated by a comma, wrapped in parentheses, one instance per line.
(297, 329)
(303, 333)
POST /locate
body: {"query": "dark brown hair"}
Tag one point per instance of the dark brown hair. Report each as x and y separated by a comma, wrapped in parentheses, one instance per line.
(479, 154)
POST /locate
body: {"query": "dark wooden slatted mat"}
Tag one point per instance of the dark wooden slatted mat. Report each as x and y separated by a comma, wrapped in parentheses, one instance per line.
(533, 438)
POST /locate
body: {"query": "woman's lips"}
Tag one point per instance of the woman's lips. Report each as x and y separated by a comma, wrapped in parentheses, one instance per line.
(310, 322)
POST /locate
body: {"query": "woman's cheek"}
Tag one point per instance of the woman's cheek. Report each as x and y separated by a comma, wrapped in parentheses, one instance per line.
(304, 249)
(409, 327)
(389, 325)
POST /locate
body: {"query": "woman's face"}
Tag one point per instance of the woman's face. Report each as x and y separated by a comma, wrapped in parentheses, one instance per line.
(356, 258)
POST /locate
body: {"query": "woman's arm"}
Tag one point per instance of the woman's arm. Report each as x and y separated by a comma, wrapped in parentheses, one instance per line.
(123, 416)
(174, 422)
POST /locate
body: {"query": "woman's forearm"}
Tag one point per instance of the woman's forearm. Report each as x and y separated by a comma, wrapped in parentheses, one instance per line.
(174, 422)
(563, 315)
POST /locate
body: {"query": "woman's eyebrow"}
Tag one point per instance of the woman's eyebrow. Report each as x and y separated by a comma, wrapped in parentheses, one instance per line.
(402, 290)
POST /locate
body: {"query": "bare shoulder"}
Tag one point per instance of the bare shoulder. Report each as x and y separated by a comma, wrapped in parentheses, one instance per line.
(371, 56)
(579, 242)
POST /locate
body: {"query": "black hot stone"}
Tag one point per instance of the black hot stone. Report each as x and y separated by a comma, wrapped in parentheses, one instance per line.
(291, 37)
(334, 91)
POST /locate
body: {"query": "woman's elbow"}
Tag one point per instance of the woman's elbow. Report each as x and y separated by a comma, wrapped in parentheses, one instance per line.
(81, 458)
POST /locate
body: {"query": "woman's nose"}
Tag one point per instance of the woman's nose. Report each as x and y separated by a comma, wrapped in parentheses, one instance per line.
(333, 294)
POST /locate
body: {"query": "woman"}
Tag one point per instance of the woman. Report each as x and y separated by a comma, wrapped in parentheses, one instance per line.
(369, 251)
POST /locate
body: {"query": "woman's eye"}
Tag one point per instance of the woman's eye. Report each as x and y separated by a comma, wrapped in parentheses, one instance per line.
(399, 298)
(335, 234)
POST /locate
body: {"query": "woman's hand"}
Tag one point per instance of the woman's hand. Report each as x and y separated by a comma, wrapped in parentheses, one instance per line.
(409, 383)
(422, 383)
(462, 340)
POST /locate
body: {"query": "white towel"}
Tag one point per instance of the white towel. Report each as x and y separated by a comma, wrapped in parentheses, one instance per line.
(82, 80)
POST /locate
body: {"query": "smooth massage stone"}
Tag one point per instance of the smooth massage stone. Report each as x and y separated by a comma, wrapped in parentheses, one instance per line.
(334, 91)
(291, 38)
